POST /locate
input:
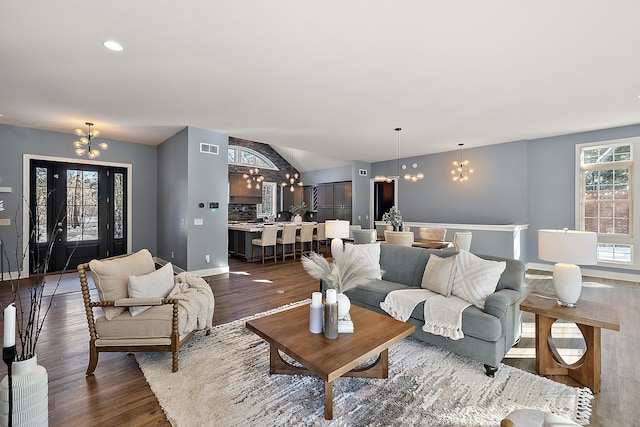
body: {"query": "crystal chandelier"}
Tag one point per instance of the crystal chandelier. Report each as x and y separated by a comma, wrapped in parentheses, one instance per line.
(459, 173)
(253, 178)
(83, 146)
(291, 178)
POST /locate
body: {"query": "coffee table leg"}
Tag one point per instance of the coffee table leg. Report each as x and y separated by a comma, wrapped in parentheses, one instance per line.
(328, 400)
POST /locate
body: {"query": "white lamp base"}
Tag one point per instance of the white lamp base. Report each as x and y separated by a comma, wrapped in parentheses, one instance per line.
(567, 281)
(337, 248)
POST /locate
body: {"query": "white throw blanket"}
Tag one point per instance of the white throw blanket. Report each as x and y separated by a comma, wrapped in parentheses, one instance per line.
(442, 315)
(196, 297)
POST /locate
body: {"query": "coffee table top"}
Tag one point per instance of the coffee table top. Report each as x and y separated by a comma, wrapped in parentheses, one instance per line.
(591, 313)
(289, 331)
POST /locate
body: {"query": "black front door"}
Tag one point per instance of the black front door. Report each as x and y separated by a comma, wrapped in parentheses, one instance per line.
(78, 212)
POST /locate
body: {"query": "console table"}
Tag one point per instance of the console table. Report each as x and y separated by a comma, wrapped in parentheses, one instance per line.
(590, 317)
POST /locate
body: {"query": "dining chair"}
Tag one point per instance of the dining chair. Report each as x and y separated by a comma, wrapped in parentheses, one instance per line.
(320, 236)
(430, 233)
(462, 240)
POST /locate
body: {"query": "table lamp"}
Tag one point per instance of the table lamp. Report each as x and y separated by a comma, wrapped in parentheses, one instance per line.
(568, 248)
(336, 230)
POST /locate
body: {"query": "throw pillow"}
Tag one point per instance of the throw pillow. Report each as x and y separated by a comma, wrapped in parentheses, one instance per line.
(112, 277)
(369, 253)
(153, 285)
(476, 278)
(438, 274)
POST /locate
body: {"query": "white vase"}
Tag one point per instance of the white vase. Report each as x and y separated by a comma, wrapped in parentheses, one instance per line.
(30, 394)
(297, 219)
(344, 305)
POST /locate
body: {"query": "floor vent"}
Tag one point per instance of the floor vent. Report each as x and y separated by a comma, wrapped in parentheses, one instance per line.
(208, 148)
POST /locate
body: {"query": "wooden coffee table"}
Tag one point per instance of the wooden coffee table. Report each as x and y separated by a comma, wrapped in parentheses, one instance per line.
(288, 331)
(590, 317)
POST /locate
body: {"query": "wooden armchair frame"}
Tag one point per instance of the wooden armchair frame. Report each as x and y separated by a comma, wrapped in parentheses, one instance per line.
(94, 349)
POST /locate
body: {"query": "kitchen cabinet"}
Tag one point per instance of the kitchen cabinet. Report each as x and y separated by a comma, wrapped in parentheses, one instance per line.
(334, 201)
(240, 193)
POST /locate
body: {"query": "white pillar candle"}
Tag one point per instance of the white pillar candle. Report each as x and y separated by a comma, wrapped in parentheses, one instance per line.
(10, 325)
(316, 299)
(331, 296)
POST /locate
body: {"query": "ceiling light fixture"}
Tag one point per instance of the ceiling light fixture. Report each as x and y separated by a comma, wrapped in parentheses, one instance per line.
(253, 178)
(407, 176)
(113, 45)
(291, 178)
(83, 146)
(459, 172)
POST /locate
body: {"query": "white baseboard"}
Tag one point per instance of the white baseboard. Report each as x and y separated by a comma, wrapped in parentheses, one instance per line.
(210, 271)
(603, 274)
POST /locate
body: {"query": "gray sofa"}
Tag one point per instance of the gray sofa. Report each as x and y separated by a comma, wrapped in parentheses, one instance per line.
(488, 333)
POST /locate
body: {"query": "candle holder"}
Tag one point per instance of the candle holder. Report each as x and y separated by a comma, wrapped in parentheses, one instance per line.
(8, 355)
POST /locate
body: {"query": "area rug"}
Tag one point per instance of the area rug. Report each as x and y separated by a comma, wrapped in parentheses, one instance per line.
(224, 380)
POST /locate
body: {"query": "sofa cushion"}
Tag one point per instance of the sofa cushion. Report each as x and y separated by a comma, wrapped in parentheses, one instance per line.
(369, 253)
(156, 284)
(112, 277)
(374, 291)
(475, 278)
(475, 323)
(403, 264)
(438, 274)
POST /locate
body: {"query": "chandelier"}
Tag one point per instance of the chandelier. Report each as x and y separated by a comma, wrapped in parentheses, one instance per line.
(459, 173)
(407, 176)
(253, 178)
(291, 178)
(83, 146)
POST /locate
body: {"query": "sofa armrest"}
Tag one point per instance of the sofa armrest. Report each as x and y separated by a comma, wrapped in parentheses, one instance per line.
(498, 302)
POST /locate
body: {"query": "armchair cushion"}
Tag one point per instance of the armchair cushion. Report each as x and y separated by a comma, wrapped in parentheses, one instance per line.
(112, 277)
(153, 323)
(153, 285)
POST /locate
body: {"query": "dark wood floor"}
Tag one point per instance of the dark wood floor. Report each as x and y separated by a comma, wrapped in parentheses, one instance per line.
(118, 394)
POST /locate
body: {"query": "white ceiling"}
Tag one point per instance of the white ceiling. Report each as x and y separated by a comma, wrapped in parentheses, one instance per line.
(331, 79)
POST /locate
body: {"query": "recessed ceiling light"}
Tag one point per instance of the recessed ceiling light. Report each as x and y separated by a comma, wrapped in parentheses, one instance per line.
(115, 46)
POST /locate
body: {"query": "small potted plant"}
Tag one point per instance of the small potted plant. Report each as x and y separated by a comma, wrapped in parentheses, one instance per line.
(298, 211)
(393, 218)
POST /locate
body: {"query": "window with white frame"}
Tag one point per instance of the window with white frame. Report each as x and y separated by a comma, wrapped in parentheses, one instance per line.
(605, 199)
(244, 156)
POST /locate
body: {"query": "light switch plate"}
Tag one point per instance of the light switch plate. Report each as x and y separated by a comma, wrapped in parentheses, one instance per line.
(198, 221)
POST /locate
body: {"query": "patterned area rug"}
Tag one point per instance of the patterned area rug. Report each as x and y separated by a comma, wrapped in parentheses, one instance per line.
(224, 381)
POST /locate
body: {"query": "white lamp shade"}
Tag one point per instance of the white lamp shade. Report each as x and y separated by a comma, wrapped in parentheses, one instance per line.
(337, 229)
(568, 246)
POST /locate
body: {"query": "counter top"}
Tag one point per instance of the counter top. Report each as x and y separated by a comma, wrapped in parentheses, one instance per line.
(254, 227)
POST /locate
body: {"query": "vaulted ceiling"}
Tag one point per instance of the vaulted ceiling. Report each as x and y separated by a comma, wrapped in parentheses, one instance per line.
(330, 79)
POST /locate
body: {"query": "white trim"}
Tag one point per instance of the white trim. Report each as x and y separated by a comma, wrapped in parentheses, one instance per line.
(602, 274)
(210, 271)
(477, 227)
(26, 160)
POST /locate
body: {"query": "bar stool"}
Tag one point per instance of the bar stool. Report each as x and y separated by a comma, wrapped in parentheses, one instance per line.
(288, 238)
(321, 235)
(306, 236)
(268, 239)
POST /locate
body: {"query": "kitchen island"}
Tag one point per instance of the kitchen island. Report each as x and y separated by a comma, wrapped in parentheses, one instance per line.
(241, 234)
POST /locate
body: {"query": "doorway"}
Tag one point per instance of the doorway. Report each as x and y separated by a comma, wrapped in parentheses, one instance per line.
(78, 211)
(383, 198)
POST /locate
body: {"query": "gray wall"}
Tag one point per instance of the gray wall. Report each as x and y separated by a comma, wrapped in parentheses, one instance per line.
(496, 193)
(551, 167)
(361, 194)
(342, 173)
(187, 178)
(16, 141)
(208, 182)
(173, 161)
